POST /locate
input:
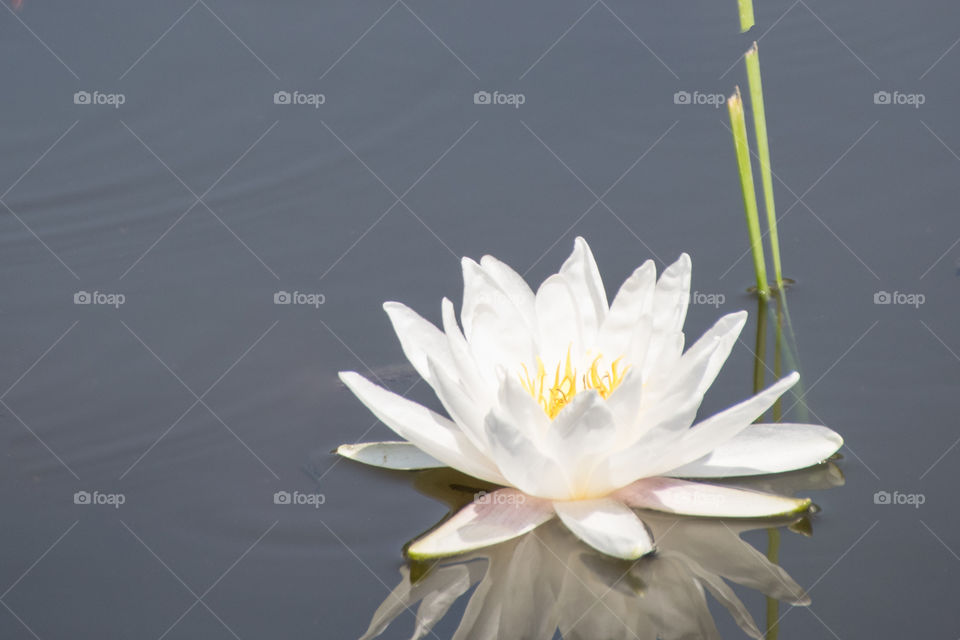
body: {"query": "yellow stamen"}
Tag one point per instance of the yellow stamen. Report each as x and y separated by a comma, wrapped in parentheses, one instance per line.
(554, 398)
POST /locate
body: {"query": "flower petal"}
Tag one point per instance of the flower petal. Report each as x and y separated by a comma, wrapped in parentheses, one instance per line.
(499, 516)
(624, 404)
(495, 329)
(699, 499)
(624, 324)
(583, 276)
(430, 432)
(389, 455)
(659, 452)
(579, 439)
(671, 298)
(765, 448)
(586, 425)
(465, 363)
(419, 339)
(460, 406)
(709, 434)
(559, 324)
(515, 447)
(698, 367)
(606, 525)
(513, 285)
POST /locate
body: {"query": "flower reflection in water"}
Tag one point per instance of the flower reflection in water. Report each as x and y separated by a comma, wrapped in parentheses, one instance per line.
(548, 581)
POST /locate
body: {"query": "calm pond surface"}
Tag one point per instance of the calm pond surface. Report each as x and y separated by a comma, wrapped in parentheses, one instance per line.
(149, 161)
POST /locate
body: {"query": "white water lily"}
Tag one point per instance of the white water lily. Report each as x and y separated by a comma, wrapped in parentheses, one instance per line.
(580, 409)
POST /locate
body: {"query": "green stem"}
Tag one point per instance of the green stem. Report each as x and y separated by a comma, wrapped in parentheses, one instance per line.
(746, 15)
(739, 128)
(777, 355)
(773, 605)
(752, 59)
(760, 348)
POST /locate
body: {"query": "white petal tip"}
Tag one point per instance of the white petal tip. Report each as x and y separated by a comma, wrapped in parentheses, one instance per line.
(401, 456)
(346, 377)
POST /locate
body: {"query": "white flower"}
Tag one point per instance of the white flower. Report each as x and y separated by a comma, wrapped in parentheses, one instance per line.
(581, 408)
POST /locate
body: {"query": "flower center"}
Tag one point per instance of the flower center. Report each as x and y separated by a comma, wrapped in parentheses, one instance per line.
(553, 398)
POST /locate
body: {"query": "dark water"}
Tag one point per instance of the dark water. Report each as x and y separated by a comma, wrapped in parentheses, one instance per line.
(198, 199)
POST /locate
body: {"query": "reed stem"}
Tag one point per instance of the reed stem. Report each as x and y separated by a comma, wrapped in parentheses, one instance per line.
(739, 128)
(746, 15)
(752, 59)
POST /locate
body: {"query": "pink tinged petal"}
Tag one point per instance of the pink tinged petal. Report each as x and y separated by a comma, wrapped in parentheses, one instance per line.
(711, 501)
(559, 325)
(389, 455)
(583, 276)
(428, 431)
(419, 339)
(629, 321)
(607, 525)
(765, 448)
(657, 454)
(512, 284)
(494, 518)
